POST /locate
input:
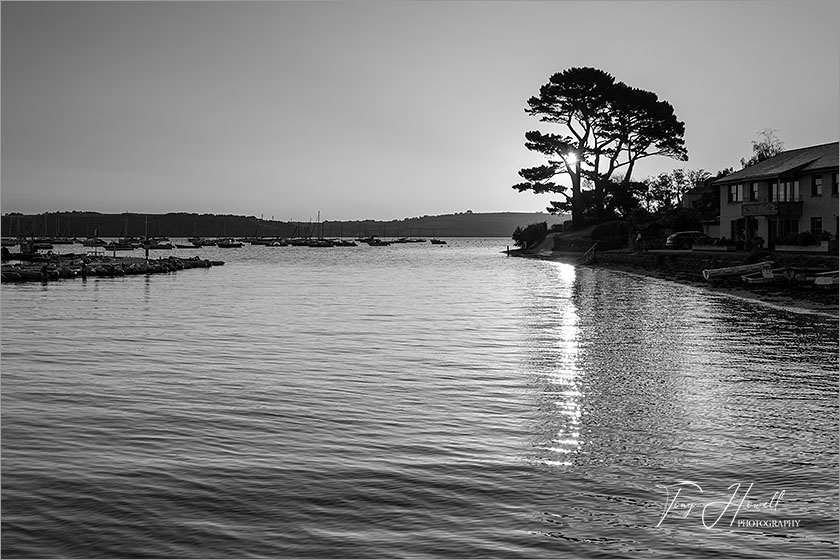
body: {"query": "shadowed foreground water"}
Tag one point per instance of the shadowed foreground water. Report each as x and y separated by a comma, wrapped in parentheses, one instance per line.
(412, 400)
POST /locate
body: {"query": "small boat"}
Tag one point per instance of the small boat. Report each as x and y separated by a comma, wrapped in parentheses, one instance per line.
(185, 246)
(117, 246)
(277, 243)
(779, 274)
(827, 279)
(320, 242)
(55, 240)
(228, 244)
(94, 242)
(156, 244)
(740, 270)
(758, 278)
(134, 242)
(807, 275)
(438, 241)
(33, 245)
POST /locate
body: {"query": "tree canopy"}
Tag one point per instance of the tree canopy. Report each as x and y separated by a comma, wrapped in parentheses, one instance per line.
(666, 190)
(769, 146)
(605, 128)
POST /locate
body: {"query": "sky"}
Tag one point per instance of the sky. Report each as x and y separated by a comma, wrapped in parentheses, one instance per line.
(374, 109)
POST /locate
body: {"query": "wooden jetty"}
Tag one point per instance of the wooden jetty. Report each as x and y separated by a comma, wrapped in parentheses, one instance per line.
(58, 267)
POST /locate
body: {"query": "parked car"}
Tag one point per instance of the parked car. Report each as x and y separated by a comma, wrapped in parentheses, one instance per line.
(683, 239)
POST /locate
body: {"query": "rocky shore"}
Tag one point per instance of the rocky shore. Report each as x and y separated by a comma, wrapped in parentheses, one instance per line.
(686, 267)
(58, 267)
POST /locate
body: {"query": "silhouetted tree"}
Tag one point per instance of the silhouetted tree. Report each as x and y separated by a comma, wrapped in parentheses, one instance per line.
(606, 127)
(769, 146)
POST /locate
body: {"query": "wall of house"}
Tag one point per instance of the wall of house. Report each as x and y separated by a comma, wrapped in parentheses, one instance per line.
(824, 206)
(729, 211)
(761, 222)
(712, 229)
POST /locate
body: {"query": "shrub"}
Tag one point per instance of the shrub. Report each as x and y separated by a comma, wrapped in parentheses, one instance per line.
(825, 236)
(608, 230)
(791, 239)
(530, 235)
(805, 238)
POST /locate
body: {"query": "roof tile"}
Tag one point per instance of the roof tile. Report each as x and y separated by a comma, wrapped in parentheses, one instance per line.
(807, 159)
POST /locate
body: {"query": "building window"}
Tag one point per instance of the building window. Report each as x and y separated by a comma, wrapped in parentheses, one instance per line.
(785, 191)
(834, 184)
(816, 226)
(754, 192)
(816, 185)
(736, 193)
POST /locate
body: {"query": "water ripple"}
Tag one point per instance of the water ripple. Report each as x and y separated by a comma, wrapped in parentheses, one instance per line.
(407, 401)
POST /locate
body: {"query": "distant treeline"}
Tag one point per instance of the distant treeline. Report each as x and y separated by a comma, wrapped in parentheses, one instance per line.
(181, 224)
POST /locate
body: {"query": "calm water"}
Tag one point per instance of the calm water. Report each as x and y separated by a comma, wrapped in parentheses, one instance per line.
(410, 401)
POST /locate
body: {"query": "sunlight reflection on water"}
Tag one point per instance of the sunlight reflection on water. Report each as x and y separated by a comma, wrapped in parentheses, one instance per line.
(399, 401)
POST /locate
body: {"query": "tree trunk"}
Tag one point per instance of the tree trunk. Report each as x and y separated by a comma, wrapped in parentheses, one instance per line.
(577, 201)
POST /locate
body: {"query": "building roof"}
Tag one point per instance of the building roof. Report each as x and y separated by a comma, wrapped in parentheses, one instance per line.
(696, 190)
(802, 160)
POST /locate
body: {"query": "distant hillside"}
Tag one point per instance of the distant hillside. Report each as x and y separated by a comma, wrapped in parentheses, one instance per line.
(83, 224)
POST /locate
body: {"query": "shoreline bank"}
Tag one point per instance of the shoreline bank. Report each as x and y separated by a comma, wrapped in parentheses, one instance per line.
(685, 267)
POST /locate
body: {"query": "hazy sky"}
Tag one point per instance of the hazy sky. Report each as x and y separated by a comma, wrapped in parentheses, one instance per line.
(381, 110)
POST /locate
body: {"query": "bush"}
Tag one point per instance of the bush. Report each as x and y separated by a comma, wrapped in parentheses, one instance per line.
(805, 238)
(608, 230)
(825, 236)
(530, 235)
(791, 239)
